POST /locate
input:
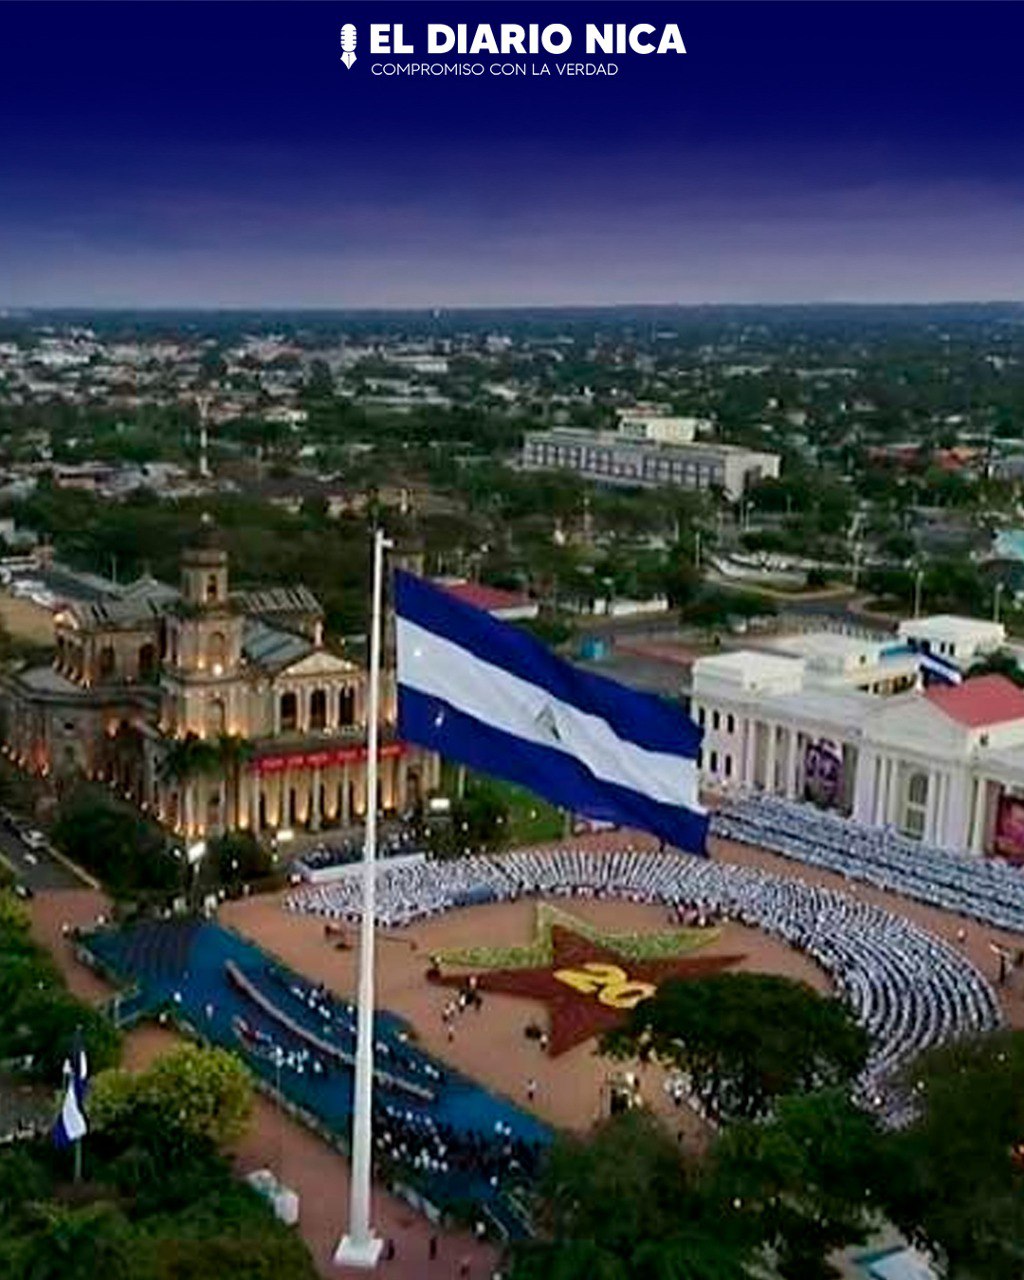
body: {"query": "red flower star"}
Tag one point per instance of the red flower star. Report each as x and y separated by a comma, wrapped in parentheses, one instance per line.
(588, 988)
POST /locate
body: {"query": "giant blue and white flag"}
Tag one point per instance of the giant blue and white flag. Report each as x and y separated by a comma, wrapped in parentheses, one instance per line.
(71, 1126)
(488, 695)
(935, 667)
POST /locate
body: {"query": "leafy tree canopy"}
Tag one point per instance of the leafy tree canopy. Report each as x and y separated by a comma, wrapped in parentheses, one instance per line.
(744, 1039)
(206, 1092)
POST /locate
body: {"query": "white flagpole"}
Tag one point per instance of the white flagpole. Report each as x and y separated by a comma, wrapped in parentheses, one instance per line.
(360, 1247)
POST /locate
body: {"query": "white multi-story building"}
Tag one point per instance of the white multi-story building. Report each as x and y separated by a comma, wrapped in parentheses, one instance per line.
(622, 458)
(942, 764)
(959, 640)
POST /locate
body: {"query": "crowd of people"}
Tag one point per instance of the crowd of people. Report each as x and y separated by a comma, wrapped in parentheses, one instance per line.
(349, 850)
(336, 1021)
(983, 889)
(908, 988)
(416, 1140)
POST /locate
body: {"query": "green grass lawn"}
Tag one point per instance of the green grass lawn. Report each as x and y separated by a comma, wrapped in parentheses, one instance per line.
(532, 820)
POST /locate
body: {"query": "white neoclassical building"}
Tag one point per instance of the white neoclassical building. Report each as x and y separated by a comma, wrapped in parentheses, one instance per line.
(942, 764)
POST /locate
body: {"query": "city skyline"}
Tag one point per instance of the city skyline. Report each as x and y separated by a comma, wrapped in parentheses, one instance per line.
(182, 156)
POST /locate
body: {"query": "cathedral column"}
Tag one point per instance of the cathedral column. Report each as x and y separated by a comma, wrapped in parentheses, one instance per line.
(254, 802)
(790, 788)
(346, 815)
(314, 801)
(769, 776)
(750, 753)
(980, 789)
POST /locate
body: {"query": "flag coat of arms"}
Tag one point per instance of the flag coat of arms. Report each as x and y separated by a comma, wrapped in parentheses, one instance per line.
(488, 695)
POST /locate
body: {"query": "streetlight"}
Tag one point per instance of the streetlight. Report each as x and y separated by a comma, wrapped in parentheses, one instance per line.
(997, 601)
(918, 579)
(194, 855)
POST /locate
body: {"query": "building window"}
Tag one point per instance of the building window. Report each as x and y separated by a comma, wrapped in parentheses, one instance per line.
(728, 766)
(714, 762)
(216, 718)
(716, 720)
(211, 587)
(701, 716)
(730, 723)
(346, 707)
(289, 712)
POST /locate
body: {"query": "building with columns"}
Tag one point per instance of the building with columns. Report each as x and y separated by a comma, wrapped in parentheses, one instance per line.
(213, 709)
(944, 764)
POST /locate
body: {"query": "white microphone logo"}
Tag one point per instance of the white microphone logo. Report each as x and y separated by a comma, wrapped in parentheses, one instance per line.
(348, 44)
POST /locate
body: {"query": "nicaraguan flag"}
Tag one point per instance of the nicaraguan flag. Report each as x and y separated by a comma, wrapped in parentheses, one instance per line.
(71, 1125)
(490, 696)
(935, 667)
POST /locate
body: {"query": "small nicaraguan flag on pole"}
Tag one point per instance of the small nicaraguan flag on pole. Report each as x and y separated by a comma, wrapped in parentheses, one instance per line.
(488, 695)
(935, 667)
(71, 1126)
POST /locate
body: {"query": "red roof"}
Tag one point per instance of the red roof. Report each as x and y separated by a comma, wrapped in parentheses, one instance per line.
(492, 599)
(985, 700)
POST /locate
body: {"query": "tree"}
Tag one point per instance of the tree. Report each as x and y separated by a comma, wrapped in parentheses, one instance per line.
(233, 752)
(206, 1092)
(620, 1204)
(38, 1016)
(259, 1254)
(956, 1179)
(744, 1040)
(1002, 663)
(799, 1185)
(75, 1244)
(128, 852)
(237, 857)
(186, 759)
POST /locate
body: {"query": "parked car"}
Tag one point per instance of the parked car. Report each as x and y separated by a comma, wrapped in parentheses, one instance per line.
(33, 838)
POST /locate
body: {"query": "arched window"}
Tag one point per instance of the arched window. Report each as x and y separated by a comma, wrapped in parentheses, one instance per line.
(346, 706)
(216, 717)
(289, 712)
(108, 662)
(217, 652)
(147, 661)
(318, 709)
(212, 587)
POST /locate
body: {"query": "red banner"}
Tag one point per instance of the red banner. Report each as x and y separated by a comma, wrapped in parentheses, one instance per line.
(324, 759)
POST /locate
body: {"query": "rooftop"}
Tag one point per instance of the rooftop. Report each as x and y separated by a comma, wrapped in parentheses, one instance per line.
(951, 625)
(479, 596)
(977, 703)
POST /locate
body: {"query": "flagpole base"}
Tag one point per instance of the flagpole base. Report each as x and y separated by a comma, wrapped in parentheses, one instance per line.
(364, 1254)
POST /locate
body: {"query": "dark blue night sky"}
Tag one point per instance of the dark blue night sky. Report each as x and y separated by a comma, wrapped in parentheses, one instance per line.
(220, 154)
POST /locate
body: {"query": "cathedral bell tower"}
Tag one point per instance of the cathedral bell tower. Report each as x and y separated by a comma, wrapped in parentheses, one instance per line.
(203, 692)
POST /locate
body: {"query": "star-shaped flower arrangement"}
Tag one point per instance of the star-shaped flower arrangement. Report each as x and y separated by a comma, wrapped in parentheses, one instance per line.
(588, 980)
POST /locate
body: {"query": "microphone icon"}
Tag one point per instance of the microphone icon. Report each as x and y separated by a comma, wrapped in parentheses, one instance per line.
(348, 44)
